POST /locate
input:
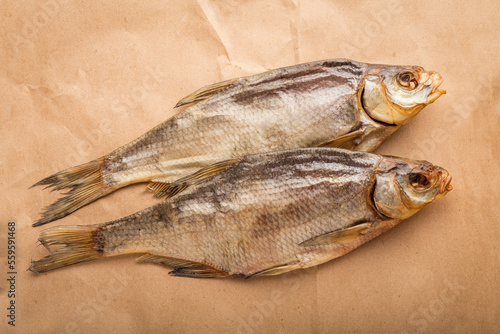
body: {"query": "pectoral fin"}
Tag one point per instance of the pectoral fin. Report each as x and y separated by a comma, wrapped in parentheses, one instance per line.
(162, 188)
(348, 141)
(184, 268)
(205, 92)
(278, 270)
(341, 236)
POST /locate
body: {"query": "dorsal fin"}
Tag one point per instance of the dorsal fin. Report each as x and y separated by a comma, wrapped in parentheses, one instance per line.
(162, 188)
(205, 92)
(184, 268)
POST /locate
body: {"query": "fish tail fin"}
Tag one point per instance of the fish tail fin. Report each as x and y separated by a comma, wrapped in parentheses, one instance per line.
(86, 183)
(82, 243)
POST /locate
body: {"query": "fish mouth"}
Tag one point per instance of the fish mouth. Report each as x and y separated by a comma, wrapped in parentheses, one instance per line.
(435, 80)
(445, 184)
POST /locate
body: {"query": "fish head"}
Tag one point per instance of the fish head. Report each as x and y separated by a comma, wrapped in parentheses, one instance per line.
(395, 94)
(403, 187)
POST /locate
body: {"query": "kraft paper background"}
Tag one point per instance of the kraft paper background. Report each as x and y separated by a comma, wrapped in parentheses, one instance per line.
(79, 79)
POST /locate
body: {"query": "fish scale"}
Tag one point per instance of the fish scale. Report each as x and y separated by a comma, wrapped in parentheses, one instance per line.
(315, 208)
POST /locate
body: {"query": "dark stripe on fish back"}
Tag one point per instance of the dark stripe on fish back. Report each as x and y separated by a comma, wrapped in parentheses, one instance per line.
(346, 65)
(326, 69)
(294, 83)
(310, 69)
(290, 75)
(325, 155)
(300, 162)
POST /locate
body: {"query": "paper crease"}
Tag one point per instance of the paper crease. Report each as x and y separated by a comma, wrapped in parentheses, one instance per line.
(210, 17)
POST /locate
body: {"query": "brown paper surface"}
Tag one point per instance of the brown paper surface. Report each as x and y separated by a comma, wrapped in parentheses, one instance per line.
(80, 79)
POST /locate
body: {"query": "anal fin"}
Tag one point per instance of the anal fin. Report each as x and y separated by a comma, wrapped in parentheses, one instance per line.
(158, 187)
(342, 236)
(184, 268)
(348, 141)
(205, 92)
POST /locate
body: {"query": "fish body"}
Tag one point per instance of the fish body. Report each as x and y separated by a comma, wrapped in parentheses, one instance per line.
(262, 214)
(337, 103)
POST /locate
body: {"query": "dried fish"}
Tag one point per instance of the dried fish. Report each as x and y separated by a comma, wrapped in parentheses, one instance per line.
(260, 215)
(335, 103)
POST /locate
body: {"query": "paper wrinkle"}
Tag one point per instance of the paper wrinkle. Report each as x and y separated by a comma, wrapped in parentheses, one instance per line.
(67, 90)
(294, 28)
(211, 18)
(68, 131)
(46, 83)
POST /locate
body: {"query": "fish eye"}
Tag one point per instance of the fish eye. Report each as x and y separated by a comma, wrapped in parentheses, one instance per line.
(419, 181)
(407, 80)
